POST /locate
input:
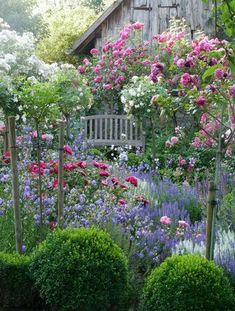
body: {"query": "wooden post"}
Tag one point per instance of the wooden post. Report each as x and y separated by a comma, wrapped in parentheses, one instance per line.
(211, 205)
(61, 175)
(15, 184)
(6, 138)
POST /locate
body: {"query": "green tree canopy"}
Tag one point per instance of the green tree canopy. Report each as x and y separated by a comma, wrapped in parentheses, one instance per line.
(64, 27)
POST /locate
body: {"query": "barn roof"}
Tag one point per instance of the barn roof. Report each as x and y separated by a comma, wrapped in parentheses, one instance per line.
(92, 31)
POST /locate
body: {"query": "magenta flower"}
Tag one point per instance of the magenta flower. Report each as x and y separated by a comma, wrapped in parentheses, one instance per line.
(94, 51)
(122, 202)
(138, 25)
(186, 79)
(165, 220)
(132, 180)
(231, 91)
(68, 150)
(104, 173)
(82, 69)
(107, 86)
(219, 73)
(180, 63)
(183, 224)
(200, 101)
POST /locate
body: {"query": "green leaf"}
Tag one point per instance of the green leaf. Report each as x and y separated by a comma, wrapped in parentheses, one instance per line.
(210, 71)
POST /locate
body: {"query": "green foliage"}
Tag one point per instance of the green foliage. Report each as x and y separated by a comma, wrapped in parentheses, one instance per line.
(226, 212)
(16, 285)
(80, 269)
(188, 282)
(64, 27)
(136, 160)
(96, 5)
(19, 15)
(39, 100)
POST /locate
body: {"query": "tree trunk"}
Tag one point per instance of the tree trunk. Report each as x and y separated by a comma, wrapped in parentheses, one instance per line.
(39, 176)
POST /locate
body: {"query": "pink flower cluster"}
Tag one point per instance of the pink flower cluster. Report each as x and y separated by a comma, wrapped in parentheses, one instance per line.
(171, 142)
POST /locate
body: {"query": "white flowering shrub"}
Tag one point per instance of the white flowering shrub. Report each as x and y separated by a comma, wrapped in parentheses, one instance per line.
(141, 95)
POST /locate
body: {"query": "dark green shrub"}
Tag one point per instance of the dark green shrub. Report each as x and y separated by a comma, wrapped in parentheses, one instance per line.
(16, 285)
(188, 282)
(81, 269)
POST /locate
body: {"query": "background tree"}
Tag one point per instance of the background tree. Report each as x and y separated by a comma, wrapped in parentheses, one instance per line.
(22, 17)
(64, 27)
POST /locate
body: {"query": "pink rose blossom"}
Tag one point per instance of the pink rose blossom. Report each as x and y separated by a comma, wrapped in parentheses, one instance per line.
(231, 91)
(183, 224)
(174, 140)
(107, 86)
(68, 150)
(81, 69)
(200, 101)
(180, 62)
(104, 173)
(165, 220)
(219, 73)
(94, 51)
(186, 79)
(138, 25)
(133, 180)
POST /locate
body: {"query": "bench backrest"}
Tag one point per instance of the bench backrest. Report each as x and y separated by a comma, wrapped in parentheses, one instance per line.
(108, 130)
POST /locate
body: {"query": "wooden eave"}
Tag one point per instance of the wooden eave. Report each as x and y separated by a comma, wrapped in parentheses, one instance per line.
(91, 32)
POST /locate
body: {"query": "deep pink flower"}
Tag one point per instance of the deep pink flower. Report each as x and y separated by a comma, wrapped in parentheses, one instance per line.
(55, 183)
(122, 201)
(98, 79)
(180, 62)
(68, 150)
(86, 61)
(82, 69)
(120, 79)
(186, 79)
(165, 220)
(104, 173)
(115, 180)
(107, 86)
(174, 140)
(231, 91)
(183, 224)
(94, 51)
(138, 25)
(133, 180)
(219, 73)
(200, 101)
(182, 162)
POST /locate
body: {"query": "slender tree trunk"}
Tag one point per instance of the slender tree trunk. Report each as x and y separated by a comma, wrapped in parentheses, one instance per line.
(5, 137)
(39, 176)
(67, 117)
(217, 182)
(61, 176)
(15, 185)
(154, 150)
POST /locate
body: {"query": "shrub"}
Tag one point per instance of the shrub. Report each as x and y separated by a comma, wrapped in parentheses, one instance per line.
(16, 285)
(80, 269)
(188, 282)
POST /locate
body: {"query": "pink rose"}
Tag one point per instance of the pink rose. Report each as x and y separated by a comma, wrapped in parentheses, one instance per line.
(68, 150)
(122, 201)
(98, 79)
(183, 224)
(81, 69)
(138, 25)
(104, 173)
(180, 62)
(174, 140)
(107, 86)
(165, 220)
(200, 101)
(94, 51)
(186, 79)
(132, 180)
(219, 73)
(231, 91)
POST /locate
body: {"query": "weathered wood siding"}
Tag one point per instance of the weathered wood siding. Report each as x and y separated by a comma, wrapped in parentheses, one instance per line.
(155, 14)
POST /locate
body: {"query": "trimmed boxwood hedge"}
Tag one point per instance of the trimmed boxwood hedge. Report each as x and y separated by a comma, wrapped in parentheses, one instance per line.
(16, 285)
(81, 269)
(188, 282)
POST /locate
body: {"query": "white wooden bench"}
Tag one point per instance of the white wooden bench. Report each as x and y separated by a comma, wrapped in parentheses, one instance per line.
(113, 130)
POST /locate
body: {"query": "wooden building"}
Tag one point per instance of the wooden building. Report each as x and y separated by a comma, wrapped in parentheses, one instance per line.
(155, 14)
